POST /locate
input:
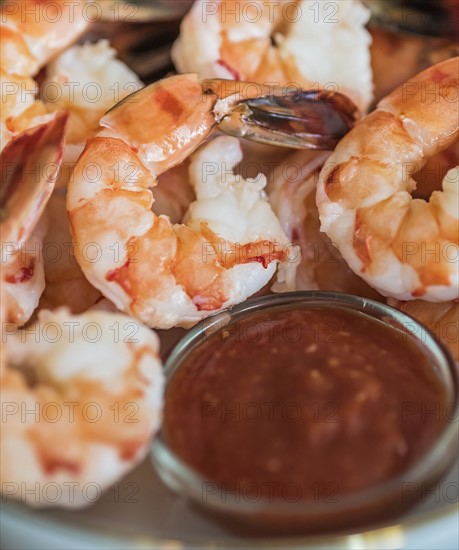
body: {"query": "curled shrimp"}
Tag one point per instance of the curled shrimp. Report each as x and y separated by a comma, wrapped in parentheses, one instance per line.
(162, 273)
(81, 399)
(405, 248)
(31, 33)
(305, 42)
(29, 167)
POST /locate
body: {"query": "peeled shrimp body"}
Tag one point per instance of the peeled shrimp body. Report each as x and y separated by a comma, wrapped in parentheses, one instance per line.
(162, 273)
(81, 400)
(305, 43)
(403, 247)
(31, 33)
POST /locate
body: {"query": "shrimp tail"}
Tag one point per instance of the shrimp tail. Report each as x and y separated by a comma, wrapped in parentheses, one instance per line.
(305, 119)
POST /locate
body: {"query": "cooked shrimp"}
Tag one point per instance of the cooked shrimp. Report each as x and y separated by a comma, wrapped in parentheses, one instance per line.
(165, 274)
(305, 43)
(176, 274)
(405, 248)
(441, 318)
(31, 33)
(29, 164)
(81, 400)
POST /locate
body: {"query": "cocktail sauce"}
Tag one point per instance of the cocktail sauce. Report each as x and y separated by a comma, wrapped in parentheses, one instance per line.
(312, 401)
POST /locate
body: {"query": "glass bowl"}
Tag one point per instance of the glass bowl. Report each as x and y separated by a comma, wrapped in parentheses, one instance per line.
(374, 504)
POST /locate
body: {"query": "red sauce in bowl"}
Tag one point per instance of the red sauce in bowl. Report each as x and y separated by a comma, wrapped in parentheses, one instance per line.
(305, 402)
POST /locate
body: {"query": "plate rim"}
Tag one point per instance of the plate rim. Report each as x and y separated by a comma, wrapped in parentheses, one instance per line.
(19, 512)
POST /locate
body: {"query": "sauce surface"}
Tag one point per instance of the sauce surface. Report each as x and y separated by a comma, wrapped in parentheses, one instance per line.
(306, 403)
